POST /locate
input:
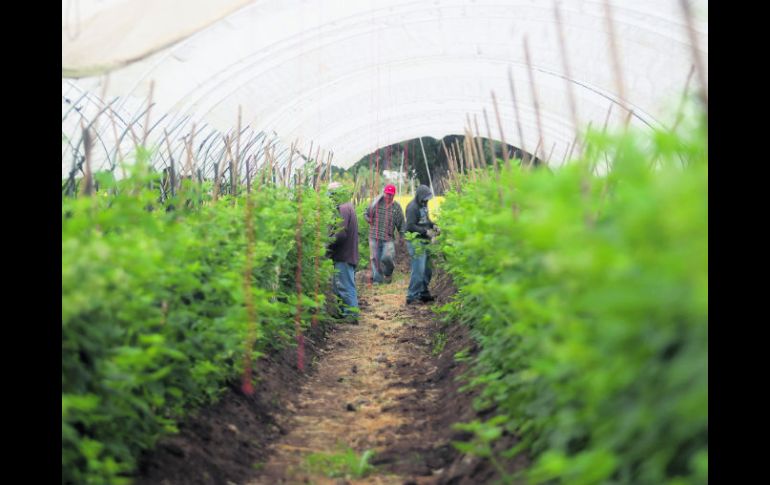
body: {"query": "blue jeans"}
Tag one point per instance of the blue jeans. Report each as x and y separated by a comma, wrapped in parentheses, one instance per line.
(421, 272)
(344, 283)
(382, 254)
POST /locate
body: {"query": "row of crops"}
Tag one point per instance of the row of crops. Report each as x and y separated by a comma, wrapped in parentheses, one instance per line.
(589, 298)
(154, 316)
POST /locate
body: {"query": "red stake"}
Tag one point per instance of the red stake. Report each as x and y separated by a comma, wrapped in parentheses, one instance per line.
(298, 281)
(246, 386)
(317, 250)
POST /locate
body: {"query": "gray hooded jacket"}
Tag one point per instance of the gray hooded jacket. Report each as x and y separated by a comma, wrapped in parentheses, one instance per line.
(417, 219)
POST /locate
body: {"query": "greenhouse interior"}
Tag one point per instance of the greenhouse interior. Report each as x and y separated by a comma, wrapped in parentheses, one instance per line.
(384, 242)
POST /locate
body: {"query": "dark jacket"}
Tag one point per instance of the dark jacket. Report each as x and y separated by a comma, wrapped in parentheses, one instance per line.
(344, 246)
(417, 219)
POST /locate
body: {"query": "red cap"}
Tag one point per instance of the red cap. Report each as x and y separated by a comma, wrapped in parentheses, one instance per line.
(390, 189)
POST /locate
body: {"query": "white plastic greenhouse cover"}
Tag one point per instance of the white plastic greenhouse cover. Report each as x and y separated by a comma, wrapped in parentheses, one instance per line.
(354, 75)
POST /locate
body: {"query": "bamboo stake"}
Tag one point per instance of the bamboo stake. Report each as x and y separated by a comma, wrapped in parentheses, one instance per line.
(526, 157)
(470, 150)
(615, 56)
(541, 140)
(172, 174)
(237, 161)
(147, 114)
(251, 313)
(565, 64)
(271, 164)
(117, 143)
(468, 146)
(550, 154)
(699, 68)
(469, 132)
(680, 109)
(491, 148)
(448, 158)
(604, 132)
(317, 256)
(459, 155)
(248, 174)
(315, 161)
(218, 175)
(320, 169)
(534, 157)
(298, 284)
(568, 153)
(480, 145)
(232, 168)
(502, 135)
(88, 181)
(427, 169)
(190, 157)
(291, 159)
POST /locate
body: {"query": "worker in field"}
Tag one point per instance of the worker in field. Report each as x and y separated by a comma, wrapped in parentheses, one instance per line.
(385, 218)
(343, 250)
(424, 230)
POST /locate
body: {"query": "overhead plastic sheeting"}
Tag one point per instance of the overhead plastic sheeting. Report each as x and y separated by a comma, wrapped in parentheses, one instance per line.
(98, 35)
(353, 76)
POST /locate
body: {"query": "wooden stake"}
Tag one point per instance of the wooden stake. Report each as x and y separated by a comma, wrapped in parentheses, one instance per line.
(237, 163)
(291, 159)
(298, 284)
(551, 152)
(190, 157)
(502, 135)
(88, 181)
(117, 144)
(565, 65)
(699, 68)
(468, 146)
(479, 144)
(248, 175)
(568, 153)
(218, 175)
(541, 140)
(526, 157)
(233, 181)
(615, 56)
(172, 174)
(251, 312)
(491, 142)
(147, 118)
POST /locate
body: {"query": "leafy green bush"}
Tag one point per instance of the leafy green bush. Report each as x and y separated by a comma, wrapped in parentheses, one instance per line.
(589, 297)
(153, 309)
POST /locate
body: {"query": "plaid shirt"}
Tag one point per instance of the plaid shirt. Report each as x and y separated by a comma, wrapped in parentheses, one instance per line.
(384, 220)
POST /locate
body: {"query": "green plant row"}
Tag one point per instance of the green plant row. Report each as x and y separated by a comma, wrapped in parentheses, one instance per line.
(154, 322)
(589, 298)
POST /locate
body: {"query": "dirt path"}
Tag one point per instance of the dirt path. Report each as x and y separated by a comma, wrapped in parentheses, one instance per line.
(355, 397)
(389, 385)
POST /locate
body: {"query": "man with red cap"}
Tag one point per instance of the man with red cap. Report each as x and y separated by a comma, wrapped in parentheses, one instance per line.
(384, 216)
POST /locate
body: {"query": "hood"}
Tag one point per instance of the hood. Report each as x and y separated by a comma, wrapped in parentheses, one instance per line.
(422, 194)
